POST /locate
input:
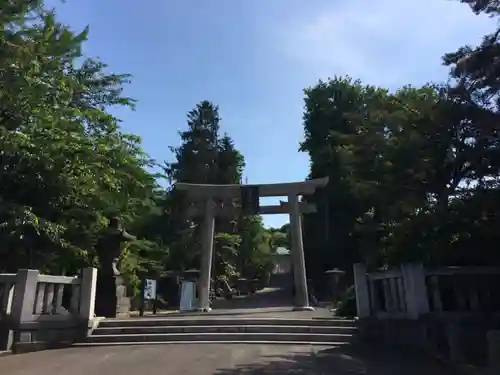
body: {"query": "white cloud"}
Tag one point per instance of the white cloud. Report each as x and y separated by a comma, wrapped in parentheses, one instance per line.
(385, 42)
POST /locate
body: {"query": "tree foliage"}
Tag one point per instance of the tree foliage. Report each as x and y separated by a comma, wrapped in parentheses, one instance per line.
(241, 245)
(413, 173)
(66, 165)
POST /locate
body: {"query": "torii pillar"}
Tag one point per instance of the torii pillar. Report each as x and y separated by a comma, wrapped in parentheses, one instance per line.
(207, 245)
(297, 252)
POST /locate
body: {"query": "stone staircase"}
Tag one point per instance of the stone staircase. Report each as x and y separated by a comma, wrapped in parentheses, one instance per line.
(311, 331)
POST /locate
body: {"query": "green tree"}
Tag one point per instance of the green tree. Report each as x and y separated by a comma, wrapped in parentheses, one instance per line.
(409, 172)
(327, 234)
(255, 255)
(204, 157)
(65, 166)
(279, 237)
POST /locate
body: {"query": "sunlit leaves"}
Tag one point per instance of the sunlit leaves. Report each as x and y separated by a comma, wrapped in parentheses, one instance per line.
(65, 165)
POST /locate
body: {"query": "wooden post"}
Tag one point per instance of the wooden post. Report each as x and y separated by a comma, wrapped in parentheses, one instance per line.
(88, 288)
(155, 305)
(362, 292)
(142, 295)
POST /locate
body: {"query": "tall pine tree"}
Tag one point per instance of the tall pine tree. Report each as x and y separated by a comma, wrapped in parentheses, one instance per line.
(204, 157)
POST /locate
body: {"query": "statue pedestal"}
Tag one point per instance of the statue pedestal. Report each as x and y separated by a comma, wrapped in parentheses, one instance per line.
(122, 301)
(111, 297)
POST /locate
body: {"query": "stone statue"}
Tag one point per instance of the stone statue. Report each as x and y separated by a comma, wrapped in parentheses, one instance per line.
(110, 246)
(111, 298)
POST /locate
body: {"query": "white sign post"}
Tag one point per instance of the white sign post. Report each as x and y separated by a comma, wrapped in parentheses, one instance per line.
(150, 289)
(148, 294)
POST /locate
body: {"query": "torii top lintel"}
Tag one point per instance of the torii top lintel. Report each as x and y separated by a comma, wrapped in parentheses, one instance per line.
(265, 190)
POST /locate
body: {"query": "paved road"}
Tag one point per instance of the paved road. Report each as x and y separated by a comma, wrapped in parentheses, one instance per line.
(215, 359)
(220, 359)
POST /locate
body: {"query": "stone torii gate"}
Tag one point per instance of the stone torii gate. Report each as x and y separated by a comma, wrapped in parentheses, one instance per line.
(205, 198)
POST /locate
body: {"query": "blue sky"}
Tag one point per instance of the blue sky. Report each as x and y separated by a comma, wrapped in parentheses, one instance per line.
(253, 58)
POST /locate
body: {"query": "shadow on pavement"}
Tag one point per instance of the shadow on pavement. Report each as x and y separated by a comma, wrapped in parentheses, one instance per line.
(346, 360)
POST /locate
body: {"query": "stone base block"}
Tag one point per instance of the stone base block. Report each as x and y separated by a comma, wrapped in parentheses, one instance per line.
(204, 309)
(303, 308)
(111, 298)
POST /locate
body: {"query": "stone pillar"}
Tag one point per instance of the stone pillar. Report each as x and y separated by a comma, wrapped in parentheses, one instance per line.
(455, 343)
(88, 293)
(206, 256)
(363, 306)
(23, 302)
(297, 252)
(24, 295)
(415, 286)
(6, 333)
(493, 338)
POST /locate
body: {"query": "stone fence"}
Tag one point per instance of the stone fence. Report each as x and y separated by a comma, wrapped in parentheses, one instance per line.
(453, 312)
(39, 311)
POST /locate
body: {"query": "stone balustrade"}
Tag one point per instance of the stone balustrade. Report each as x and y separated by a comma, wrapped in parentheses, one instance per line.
(7, 281)
(412, 291)
(38, 311)
(448, 310)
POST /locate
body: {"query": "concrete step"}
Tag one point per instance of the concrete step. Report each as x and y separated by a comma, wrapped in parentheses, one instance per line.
(319, 338)
(255, 342)
(201, 321)
(275, 329)
(212, 329)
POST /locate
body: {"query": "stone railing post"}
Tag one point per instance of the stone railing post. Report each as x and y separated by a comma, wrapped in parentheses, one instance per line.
(415, 289)
(455, 345)
(362, 291)
(24, 296)
(493, 338)
(6, 333)
(88, 289)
